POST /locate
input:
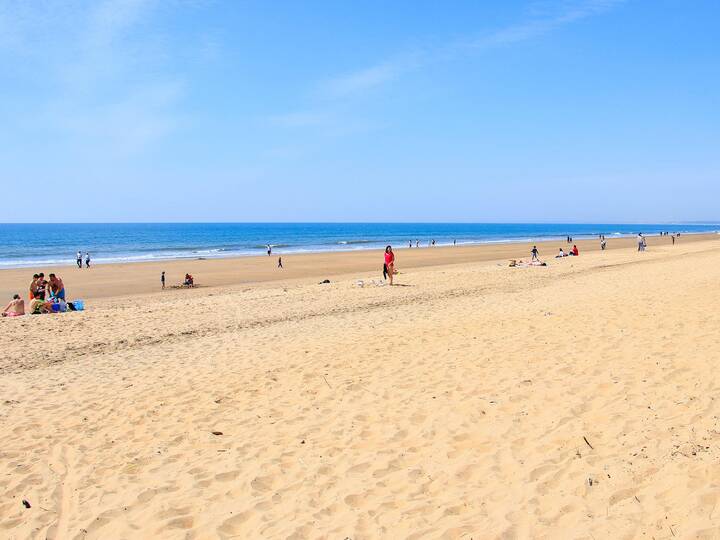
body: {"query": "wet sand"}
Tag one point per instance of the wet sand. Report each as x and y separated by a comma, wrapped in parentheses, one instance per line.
(141, 278)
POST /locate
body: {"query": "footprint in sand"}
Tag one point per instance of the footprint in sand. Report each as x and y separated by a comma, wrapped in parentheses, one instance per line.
(262, 483)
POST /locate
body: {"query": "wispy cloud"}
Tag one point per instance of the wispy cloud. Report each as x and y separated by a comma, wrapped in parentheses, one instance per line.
(299, 119)
(541, 18)
(367, 78)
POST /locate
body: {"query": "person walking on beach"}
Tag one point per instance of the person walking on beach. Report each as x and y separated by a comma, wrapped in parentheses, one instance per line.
(390, 262)
(602, 244)
(162, 279)
(78, 259)
(640, 241)
(87, 260)
(534, 252)
(673, 239)
(280, 262)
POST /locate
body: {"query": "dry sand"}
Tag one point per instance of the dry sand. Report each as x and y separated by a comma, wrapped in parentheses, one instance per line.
(478, 401)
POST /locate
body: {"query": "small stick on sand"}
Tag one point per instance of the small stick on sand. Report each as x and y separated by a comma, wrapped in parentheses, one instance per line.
(586, 442)
(330, 387)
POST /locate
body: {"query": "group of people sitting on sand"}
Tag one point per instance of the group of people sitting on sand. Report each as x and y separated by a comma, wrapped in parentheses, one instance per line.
(571, 253)
(535, 257)
(45, 296)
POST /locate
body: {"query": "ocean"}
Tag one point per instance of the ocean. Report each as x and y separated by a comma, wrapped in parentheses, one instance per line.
(25, 245)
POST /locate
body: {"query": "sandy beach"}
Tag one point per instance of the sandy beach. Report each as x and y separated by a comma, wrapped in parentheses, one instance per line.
(577, 400)
(108, 280)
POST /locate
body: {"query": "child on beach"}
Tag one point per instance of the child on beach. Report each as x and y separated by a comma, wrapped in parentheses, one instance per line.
(162, 279)
(41, 285)
(33, 286)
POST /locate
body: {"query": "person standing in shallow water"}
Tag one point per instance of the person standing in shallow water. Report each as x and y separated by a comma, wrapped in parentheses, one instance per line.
(390, 262)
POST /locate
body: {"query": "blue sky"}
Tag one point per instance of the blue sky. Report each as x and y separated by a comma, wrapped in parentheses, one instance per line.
(201, 110)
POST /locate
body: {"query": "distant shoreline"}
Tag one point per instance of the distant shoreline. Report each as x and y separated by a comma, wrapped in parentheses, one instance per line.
(287, 249)
(130, 279)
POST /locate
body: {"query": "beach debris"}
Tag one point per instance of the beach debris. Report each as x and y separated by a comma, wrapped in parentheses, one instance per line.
(324, 281)
(326, 382)
(360, 283)
(217, 432)
(588, 442)
(26, 504)
(302, 442)
(590, 482)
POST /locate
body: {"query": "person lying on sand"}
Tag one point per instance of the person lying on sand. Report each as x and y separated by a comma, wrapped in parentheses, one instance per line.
(523, 264)
(15, 308)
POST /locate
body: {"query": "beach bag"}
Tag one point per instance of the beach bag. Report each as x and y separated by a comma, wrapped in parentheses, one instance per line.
(79, 305)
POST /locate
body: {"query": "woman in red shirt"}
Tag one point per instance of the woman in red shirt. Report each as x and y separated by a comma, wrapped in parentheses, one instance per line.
(390, 262)
(575, 250)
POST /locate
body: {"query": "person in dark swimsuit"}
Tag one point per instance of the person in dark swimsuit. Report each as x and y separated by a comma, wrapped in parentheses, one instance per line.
(41, 286)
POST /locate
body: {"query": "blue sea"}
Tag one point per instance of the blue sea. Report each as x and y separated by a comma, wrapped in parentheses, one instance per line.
(24, 245)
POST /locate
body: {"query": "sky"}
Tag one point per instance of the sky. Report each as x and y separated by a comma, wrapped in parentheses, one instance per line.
(463, 111)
